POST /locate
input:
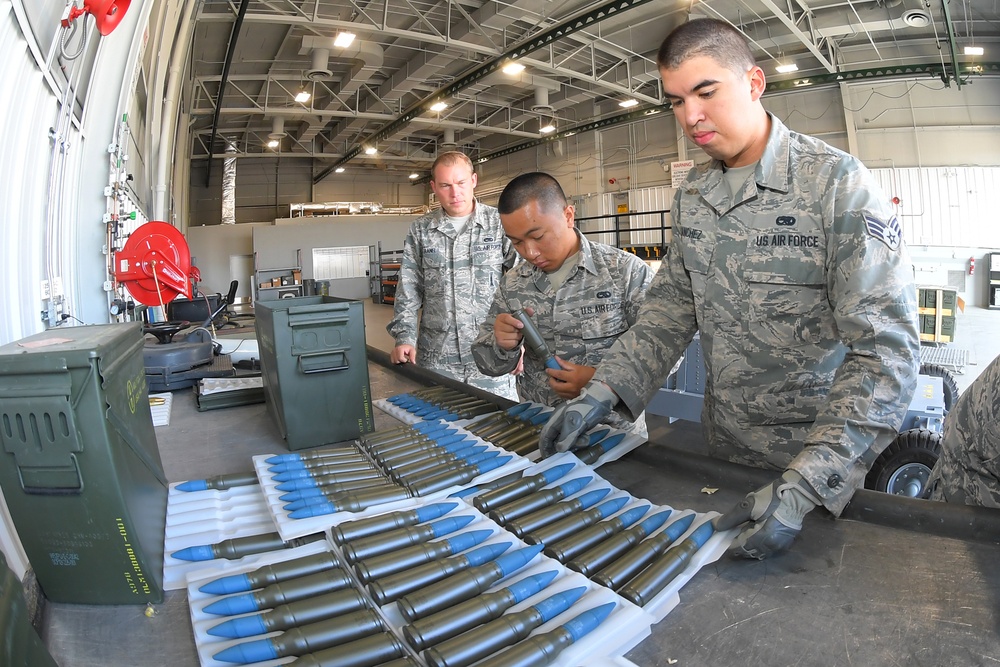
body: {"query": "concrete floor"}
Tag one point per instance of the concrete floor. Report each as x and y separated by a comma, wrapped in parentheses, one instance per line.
(852, 593)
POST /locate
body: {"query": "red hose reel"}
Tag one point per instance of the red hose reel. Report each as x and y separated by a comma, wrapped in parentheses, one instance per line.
(155, 264)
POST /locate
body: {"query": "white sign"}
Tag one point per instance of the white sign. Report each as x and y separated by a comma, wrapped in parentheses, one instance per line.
(678, 172)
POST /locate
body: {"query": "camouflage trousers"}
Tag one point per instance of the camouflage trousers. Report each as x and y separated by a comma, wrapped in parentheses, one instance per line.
(968, 470)
(470, 375)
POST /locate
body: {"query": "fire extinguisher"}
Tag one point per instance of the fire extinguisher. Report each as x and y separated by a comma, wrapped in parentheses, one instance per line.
(972, 266)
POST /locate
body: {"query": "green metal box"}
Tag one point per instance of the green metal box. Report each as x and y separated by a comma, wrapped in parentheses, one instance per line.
(315, 369)
(79, 465)
(21, 645)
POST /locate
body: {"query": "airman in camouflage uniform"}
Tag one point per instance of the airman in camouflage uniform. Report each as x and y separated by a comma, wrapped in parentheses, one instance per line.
(800, 286)
(451, 274)
(579, 318)
(968, 470)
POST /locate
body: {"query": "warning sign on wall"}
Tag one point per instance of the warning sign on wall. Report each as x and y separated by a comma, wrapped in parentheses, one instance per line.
(623, 208)
(678, 172)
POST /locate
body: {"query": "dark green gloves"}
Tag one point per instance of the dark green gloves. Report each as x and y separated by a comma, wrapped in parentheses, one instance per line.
(771, 516)
(565, 428)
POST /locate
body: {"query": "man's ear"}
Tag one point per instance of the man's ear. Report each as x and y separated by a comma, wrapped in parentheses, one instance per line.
(757, 83)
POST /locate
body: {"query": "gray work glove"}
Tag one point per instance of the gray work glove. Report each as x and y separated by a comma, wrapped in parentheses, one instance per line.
(565, 428)
(772, 516)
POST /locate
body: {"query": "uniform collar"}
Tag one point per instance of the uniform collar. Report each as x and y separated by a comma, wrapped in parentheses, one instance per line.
(438, 221)
(772, 171)
(586, 256)
(584, 260)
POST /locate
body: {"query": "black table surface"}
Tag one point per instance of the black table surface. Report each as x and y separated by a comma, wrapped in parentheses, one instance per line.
(849, 592)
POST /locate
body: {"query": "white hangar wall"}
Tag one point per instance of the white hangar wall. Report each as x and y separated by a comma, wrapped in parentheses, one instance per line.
(935, 147)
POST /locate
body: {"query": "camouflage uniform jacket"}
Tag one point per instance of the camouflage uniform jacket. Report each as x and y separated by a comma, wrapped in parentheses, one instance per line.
(452, 277)
(598, 302)
(968, 470)
(803, 293)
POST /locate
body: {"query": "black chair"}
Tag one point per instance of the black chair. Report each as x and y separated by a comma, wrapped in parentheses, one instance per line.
(205, 309)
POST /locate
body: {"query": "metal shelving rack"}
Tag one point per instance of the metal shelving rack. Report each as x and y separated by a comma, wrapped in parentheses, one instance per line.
(277, 291)
(387, 265)
(993, 298)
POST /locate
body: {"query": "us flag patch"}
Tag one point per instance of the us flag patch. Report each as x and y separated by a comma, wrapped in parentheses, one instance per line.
(888, 232)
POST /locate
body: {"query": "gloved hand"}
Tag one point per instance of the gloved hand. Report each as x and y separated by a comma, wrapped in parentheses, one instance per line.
(772, 514)
(565, 428)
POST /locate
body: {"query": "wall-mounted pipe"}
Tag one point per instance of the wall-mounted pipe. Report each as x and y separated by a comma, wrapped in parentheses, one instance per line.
(171, 105)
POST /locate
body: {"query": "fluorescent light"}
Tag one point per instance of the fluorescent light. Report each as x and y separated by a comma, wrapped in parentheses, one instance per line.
(547, 128)
(512, 68)
(273, 143)
(339, 170)
(344, 39)
(974, 51)
(439, 106)
(371, 150)
(787, 68)
(303, 96)
(628, 104)
(414, 176)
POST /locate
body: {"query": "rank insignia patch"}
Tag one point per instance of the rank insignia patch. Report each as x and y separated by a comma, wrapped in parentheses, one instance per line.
(888, 232)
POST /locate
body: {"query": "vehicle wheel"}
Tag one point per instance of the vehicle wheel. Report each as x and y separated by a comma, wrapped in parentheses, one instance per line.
(947, 381)
(905, 466)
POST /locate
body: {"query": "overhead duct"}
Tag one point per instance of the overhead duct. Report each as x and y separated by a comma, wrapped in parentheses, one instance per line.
(448, 142)
(277, 128)
(320, 65)
(542, 100)
(229, 185)
(365, 60)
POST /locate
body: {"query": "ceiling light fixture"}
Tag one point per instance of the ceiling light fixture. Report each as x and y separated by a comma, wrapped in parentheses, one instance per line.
(629, 103)
(371, 150)
(339, 170)
(548, 128)
(512, 68)
(344, 39)
(273, 143)
(303, 96)
(974, 50)
(414, 176)
(787, 68)
(439, 106)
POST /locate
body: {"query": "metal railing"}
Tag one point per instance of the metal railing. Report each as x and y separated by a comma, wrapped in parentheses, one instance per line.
(643, 233)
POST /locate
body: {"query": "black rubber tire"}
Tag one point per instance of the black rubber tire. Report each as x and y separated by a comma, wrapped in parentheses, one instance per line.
(916, 446)
(947, 380)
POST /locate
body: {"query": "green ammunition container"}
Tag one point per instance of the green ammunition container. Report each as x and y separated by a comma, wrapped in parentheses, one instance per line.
(79, 465)
(938, 329)
(944, 299)
(315, 369)
(21, 644)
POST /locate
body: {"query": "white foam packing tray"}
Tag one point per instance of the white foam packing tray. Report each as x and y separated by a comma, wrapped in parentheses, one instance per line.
(622, 630)
(290, 528)
(625, 628)
(628, 443)
(208, 517)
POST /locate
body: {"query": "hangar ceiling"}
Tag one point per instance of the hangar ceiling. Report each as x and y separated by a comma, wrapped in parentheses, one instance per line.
(580, 61)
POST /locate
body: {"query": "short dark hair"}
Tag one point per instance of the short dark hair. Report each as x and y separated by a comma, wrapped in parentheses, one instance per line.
(449, 158)
(535, 186)
(718, 40)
